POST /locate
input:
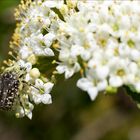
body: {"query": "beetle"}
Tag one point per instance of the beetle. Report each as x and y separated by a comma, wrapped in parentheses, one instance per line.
(9, 85)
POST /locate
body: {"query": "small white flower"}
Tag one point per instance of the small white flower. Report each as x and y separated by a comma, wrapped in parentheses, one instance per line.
(87, 85)
(135, 54)
(48, 87)
(115, 81)
(133, 67)
(64, 55)
(52, 4)
(21, 63)
(39, 83)
(27, 77)
(102, 85)
(60, 69)
(102, 72)
(48, 52)
(28, 66)
(84, 84)
(48, 38)
(25, 52)
(85, 55)
(92, 92)
(44, 96)
(69, 70)
(29, 115)
(46, 99)
(35, 96)
(76, 50)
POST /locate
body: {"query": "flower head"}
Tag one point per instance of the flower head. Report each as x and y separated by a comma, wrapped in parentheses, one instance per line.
(99, 39)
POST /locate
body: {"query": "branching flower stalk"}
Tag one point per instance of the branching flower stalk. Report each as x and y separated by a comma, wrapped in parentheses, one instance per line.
(98, 39)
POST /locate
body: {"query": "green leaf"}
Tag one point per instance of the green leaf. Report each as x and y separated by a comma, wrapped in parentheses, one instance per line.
(134, 95)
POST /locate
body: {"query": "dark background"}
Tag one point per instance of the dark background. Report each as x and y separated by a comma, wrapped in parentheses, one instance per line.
(72, 116)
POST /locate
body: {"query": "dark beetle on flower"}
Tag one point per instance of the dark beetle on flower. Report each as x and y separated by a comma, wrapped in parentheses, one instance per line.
(9, 85)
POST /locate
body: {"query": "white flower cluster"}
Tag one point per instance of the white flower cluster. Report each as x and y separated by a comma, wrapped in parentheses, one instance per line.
(29, 43)
(32, 89)
(102, 39)
(99, 39)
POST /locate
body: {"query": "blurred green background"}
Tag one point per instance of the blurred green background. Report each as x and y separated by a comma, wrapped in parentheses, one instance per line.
(72, 116)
